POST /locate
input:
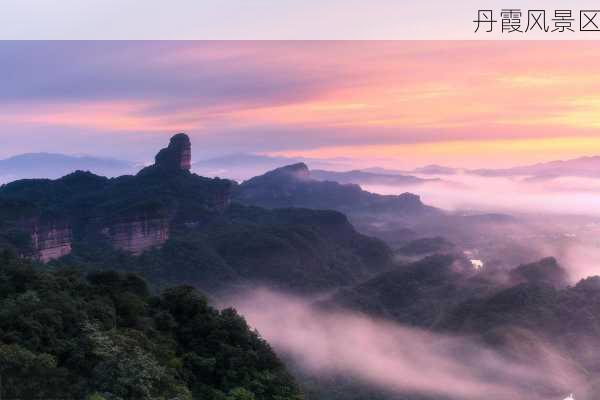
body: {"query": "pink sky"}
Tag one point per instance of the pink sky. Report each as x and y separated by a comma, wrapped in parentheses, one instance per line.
(395, 104)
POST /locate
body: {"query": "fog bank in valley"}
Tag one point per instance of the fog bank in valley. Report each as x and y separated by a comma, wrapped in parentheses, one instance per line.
(556, 216)
(407, 360)
(561, 195)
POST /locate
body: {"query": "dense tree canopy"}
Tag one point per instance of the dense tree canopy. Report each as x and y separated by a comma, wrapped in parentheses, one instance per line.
(104, 335)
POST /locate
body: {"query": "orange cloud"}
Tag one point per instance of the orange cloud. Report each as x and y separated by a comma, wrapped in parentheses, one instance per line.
(111, 116)
(403, 99)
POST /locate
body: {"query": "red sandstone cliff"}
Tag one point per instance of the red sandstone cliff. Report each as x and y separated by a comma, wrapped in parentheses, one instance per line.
(134, 213)
(139, 235)
(50, 241)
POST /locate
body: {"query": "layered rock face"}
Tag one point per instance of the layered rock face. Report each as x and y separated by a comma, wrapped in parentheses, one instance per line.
(141, 232)
(50, 241)
(135, 213)
(139, 235)
(177, 156)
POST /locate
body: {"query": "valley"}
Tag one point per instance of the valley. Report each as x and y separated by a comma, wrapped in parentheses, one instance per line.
(285, 243)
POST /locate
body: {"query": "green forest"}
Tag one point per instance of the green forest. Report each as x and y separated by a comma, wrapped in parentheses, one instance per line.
(65, 334)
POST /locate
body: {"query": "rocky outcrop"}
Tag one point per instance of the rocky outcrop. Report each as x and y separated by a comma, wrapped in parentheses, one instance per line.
(134, 213)
(139, 235)
(177, 156)
(50, 241)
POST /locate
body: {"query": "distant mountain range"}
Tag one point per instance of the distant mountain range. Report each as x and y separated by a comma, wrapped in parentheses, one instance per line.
(241, 166)
(434, 169)
(295, 186)
(588, 167)
(52, 166)
(367, 178)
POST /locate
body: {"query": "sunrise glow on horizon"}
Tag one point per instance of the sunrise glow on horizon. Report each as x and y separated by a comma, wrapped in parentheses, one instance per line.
(400, 103)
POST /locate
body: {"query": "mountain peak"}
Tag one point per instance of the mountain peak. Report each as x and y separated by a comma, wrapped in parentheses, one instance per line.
(176, 156)
(299, 170)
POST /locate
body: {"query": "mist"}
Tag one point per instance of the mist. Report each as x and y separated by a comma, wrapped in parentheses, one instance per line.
(565, 195)
(556, 217)
(402, 359)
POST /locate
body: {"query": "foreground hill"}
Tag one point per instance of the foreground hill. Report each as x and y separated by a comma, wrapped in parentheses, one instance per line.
(63, 335)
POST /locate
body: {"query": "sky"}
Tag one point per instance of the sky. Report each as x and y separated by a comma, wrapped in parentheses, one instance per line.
(389, 103)
(269, 19)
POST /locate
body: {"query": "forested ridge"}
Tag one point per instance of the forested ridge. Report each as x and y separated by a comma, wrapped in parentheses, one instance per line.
(64, 334)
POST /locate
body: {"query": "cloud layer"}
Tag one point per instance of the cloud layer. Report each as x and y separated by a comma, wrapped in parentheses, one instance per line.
(403, 359)
(404, 102)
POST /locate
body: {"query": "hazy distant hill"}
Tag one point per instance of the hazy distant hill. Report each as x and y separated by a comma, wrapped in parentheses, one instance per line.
(294, 186)
(587, 167)
(52, 166)
(424, 246)
(434, 169)
(367, 178)
(419, 293)
(384, 171)
(239, 163)
(581, 167)
(444, 290)
(241, 166)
